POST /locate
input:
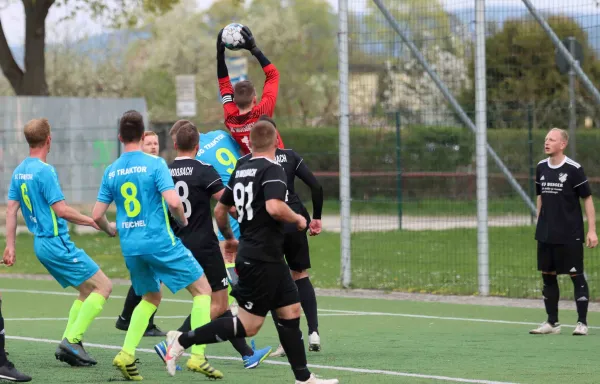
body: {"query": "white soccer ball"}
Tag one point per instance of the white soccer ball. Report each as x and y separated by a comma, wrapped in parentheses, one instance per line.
(232, 36)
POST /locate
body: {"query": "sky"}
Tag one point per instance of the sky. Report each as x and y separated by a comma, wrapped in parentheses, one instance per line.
(12, 16)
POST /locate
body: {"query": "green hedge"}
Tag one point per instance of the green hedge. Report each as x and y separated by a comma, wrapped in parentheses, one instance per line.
(428, 149)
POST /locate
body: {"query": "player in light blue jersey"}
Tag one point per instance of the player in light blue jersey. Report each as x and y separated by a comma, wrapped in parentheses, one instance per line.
(143, 191)
(35, 189)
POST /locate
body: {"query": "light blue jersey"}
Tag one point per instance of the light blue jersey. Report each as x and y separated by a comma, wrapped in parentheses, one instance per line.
(135, 182)
(220, 150)
(35, 186)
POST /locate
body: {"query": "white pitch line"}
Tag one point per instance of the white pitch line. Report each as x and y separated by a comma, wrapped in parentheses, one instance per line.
(349, 313)
(156, 317)
(333, 368)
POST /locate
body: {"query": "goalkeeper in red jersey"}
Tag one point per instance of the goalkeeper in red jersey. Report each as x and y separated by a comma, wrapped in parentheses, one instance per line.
(239, 102)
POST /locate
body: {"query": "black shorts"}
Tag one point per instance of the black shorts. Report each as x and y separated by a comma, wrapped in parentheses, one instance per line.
(295, 248)
(214, 267)
(560, 258)
(263, 287)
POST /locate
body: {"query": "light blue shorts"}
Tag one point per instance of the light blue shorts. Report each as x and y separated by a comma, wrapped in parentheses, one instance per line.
(69, 265)
(176, 269)
(235, 227)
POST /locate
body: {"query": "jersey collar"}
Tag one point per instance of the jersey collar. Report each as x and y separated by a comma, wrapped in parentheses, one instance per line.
(183, 158)
(263, 157)
(559, 165)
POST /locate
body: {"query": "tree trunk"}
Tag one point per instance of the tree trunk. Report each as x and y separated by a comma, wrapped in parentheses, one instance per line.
(10, 68)
(32, 80)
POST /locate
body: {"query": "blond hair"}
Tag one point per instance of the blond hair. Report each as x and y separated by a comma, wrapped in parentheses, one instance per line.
(563, 134)
(149, 133)
(37, 132)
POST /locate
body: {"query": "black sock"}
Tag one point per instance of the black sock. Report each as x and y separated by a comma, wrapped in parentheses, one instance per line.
(293, 345)
(216, 331)
(582, 297)
(2, 338)
(551, 294)
(238, 343)
(308, 299)
(151, 321)
(131, 301)
(187, 324)
(275, 318)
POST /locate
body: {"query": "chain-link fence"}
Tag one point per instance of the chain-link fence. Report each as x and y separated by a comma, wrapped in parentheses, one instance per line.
(414, 213)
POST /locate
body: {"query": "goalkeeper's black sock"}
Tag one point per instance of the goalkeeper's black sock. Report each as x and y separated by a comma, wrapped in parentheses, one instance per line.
(290, 337)
(216, 331)
(308, 299)
(551, 294)
(582, 296)
(131, 301)
(238, 343)
(187, 324)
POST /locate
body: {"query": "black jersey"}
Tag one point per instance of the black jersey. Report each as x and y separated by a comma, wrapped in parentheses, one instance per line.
(195, 183)
(294, 165)
(561, 187)
(252, 183)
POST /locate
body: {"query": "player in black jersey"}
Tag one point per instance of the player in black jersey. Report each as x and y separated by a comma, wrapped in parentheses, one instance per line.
(295, 243)
(560, 184)
(257, 189)
(196, 183)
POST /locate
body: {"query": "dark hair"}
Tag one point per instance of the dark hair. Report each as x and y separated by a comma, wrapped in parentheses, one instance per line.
(178, 124)
(131, 127)
(267, 118)
(263, 136)
(187, 137)
(243, 94)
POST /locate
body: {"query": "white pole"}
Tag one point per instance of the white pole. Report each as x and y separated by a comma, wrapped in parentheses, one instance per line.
(344, 143)
(480, 151)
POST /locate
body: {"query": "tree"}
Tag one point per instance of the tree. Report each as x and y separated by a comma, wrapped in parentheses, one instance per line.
(298, 38)
(403, 84)
(31, 80)
(522, 74)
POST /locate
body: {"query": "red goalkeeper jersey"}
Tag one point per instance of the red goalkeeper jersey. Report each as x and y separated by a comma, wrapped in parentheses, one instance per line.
(240, 125)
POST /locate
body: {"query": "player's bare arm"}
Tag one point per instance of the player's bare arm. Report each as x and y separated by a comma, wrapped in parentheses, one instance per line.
(280, 211)
(72, 215)
(99, 216)
(221, 212)
(590, 213)
(11, 232)
(175, 207)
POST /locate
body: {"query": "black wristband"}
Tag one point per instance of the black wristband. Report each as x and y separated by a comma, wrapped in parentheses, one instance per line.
(262, 59)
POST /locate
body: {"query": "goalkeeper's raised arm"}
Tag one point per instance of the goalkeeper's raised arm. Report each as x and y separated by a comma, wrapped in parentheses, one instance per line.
(239, 103)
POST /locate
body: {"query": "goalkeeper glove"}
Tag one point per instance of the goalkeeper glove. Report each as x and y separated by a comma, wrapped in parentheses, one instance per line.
(220, 46)
(249, 42)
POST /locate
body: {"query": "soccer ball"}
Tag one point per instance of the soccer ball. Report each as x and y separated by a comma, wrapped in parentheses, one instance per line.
(232, 36)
